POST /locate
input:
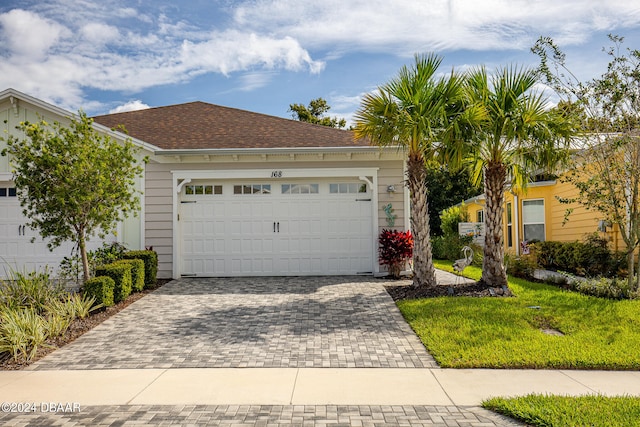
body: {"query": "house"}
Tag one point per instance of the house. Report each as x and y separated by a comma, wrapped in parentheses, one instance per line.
(229, 192)
(537, 214)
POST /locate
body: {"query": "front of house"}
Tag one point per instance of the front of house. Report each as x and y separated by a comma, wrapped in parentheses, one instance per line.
(229, 192)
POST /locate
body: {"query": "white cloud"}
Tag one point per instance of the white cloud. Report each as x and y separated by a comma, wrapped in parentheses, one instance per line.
(133, 105)
(98, 33)
(59, 49)
(25, 34)
(410, 26)
(58, 60)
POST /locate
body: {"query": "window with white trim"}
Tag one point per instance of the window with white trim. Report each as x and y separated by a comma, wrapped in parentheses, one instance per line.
(348, 188)
(252, 189)
(533, 220)
(300, 188)
(7, 191)
(203, 189)
(480, 216)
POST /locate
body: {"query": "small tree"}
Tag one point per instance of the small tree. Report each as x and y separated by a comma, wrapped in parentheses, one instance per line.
(73, 182)
(315, 113)
(607, 169)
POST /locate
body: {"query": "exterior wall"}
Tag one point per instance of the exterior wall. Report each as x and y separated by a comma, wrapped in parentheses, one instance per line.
(159, 187)
(11, 115)
(580, 222)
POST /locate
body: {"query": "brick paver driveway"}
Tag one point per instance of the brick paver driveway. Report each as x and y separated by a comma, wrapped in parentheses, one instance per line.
(251, 322)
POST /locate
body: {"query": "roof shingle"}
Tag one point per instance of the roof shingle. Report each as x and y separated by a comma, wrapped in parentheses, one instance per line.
(199, 125)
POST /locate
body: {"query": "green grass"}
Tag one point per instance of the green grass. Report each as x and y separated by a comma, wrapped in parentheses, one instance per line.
(466, 332)
(543, 410)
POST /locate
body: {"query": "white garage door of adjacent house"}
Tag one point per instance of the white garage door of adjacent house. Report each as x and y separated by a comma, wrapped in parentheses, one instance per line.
(269, 227)
(17, 252)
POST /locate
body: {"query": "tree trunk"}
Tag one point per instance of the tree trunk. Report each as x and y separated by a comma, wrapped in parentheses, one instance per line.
(493, 271)
(424, 273)
(82, 244)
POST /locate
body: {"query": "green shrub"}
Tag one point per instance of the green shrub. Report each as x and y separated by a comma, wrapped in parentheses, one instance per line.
(137, 273)
(34, 290)
(100, 289)
(150, 259)
(450, 246)
(520, 266)
(589, 258)
(121, 275)
(71, 267)
(606, 288)
(82, 305)
(451, 217)
(22, 332)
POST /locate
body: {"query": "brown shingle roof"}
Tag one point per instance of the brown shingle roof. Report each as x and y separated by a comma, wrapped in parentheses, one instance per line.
(199, 125)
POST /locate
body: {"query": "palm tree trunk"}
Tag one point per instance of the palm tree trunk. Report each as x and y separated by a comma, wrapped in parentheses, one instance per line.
(493, 271)
(424, 273)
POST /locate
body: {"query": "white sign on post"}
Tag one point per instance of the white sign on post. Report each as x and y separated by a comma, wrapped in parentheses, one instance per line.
(474, 229)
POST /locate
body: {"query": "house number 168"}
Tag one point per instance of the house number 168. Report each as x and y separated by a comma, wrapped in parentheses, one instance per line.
(276, 174)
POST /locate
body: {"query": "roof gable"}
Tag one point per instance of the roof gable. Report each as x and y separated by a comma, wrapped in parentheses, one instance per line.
(200, 125)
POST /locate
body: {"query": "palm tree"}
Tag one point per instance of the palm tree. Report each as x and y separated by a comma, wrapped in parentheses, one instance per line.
(413, 111)
(520, 135)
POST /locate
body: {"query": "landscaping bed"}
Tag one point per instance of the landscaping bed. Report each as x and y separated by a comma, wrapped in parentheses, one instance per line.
(77, 328)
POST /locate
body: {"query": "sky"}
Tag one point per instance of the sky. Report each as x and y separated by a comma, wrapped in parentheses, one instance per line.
(263, 55)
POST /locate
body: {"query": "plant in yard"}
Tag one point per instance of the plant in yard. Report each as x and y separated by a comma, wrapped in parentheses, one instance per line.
(415, 111)
(34, 290)
(100, 289)
(73, 182)
(22, 332)
(81, 305)
(519, 135)
(550, 410)
(396, 247)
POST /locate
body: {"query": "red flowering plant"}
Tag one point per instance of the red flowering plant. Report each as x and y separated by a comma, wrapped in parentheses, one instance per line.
(396, 247)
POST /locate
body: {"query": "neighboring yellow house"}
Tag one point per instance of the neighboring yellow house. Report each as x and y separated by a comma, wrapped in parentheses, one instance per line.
(537, 214)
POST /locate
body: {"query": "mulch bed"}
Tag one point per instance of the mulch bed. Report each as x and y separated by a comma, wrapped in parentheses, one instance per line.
(477, 289)
(77, 328)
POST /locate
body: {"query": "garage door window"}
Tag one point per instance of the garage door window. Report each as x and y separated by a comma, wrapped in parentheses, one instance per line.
(347, 188)
(300, 188)
(252, 189)
(203, 189)
(7, 192)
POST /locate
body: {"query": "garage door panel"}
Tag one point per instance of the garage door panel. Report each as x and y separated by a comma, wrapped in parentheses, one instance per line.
(279, 234)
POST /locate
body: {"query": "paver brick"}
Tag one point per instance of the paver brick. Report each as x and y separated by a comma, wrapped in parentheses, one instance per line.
(336, 322)
(264, 415)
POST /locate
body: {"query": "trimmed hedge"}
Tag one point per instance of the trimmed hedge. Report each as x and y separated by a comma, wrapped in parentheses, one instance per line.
(590, 258)
(137, 273)
(150, 259)
(100, 288)
(121, 275)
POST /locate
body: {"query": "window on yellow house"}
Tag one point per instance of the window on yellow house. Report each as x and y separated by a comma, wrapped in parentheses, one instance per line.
(533, 219)
(480, 216)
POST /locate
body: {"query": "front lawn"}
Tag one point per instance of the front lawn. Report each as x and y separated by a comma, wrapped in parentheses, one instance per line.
(540, 410)
(467, 332)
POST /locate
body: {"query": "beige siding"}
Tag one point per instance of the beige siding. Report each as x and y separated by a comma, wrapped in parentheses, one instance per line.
(159, 200)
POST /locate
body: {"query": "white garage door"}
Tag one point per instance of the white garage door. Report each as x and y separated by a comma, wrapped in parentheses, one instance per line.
(253, 228)
(17, 252)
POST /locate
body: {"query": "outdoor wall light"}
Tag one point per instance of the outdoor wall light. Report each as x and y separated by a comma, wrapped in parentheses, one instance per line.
(391, 189)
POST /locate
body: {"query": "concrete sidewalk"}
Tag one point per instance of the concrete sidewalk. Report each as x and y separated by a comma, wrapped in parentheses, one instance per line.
(303, 386)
